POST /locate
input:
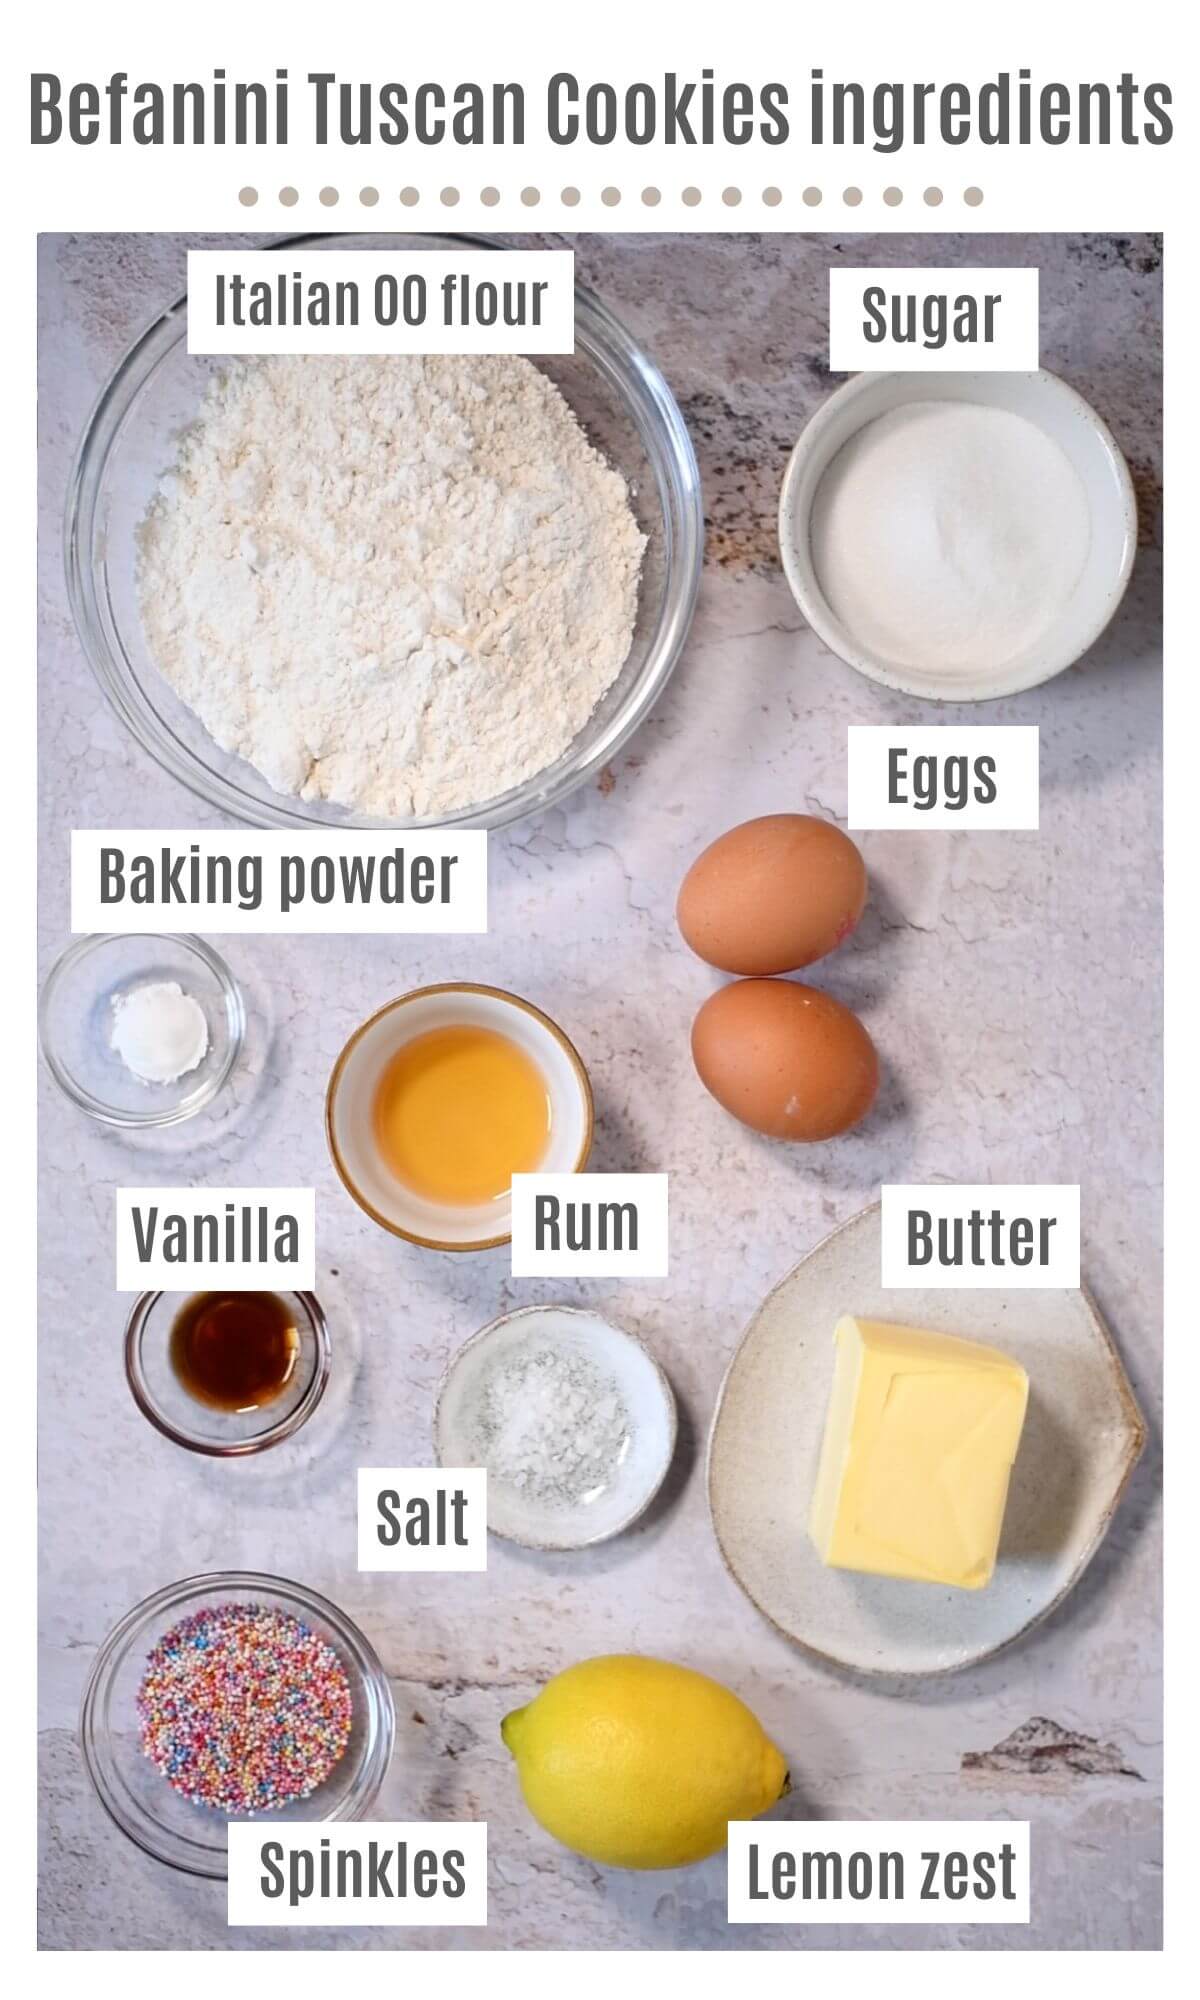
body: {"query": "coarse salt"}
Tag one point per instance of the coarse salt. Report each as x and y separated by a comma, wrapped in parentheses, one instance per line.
(551, 1424)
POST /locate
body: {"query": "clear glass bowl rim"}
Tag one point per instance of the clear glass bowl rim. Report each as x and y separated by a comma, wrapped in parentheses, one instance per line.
(634, 377)
(173, 1597)
(199, 1099)
(286, 1427)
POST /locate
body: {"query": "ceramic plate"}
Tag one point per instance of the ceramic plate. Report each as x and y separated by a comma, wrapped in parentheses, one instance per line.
(1082, 1437)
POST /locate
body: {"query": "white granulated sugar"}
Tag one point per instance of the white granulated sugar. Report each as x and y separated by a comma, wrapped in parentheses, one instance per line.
(949, 535)
(400, 584)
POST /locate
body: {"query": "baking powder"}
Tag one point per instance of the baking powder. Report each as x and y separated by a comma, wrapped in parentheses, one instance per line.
(159, 1031)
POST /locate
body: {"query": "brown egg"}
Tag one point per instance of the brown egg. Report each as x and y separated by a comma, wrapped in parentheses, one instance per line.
(772, 895)
(786, 1059)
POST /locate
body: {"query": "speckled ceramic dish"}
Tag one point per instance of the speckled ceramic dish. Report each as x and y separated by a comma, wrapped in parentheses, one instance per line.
(1082, 1437)
(630, 1428)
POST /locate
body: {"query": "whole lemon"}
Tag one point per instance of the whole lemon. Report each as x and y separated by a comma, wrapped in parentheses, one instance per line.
(640, 1764)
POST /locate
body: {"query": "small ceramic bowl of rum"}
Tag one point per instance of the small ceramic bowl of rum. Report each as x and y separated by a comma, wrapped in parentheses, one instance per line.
(440, 1098)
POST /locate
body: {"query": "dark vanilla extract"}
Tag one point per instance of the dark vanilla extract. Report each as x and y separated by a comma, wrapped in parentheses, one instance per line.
(235, 1350)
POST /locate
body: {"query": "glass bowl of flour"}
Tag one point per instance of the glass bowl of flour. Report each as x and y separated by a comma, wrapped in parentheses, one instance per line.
(367, 590)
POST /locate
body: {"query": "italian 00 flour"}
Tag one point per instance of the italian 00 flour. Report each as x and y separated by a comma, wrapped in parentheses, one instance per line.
(400, 584)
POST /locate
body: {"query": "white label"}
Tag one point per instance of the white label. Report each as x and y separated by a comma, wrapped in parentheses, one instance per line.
(942, 777)
(381, 302)
(150, 881)
(394, 1872)
(980, 1238)
(420, 1518)
(208, 1239)
(589, 1226)
(879, 1871)
(910, 320)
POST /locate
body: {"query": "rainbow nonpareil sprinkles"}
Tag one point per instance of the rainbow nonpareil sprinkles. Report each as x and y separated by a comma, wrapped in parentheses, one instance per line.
(243, 1708)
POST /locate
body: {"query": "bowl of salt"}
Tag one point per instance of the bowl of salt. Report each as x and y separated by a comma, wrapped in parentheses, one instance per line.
(571, 1417)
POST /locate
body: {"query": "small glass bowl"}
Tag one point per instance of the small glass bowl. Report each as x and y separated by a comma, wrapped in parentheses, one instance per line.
(138, 1798)
(162, 1397)
(75, 1021)
(132, 437)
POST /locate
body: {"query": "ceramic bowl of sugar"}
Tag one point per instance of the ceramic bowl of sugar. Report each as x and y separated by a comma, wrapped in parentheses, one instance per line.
(572, 1418)
(957, 536)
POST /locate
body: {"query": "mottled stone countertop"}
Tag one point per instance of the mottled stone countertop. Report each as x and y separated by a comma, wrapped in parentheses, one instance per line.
(1012, 983)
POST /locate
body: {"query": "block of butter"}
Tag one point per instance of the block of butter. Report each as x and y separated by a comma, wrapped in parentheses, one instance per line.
(920, 1438)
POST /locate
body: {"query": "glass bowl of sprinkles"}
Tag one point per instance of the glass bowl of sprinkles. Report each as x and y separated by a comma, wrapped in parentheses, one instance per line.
(233, 1696)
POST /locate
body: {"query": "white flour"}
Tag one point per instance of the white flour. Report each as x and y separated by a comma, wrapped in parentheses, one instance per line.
(401, 584)
(949, 535)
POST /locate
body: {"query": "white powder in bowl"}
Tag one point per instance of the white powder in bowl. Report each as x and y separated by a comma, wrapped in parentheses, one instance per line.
(159, 1031)
(398, 583)
(550, 1423)
(949, 536)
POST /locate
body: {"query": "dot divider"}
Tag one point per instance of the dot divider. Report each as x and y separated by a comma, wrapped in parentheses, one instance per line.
(612, 197)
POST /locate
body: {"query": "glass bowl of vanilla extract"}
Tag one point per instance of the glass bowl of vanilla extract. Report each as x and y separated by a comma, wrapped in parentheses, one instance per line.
(227, 1373)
